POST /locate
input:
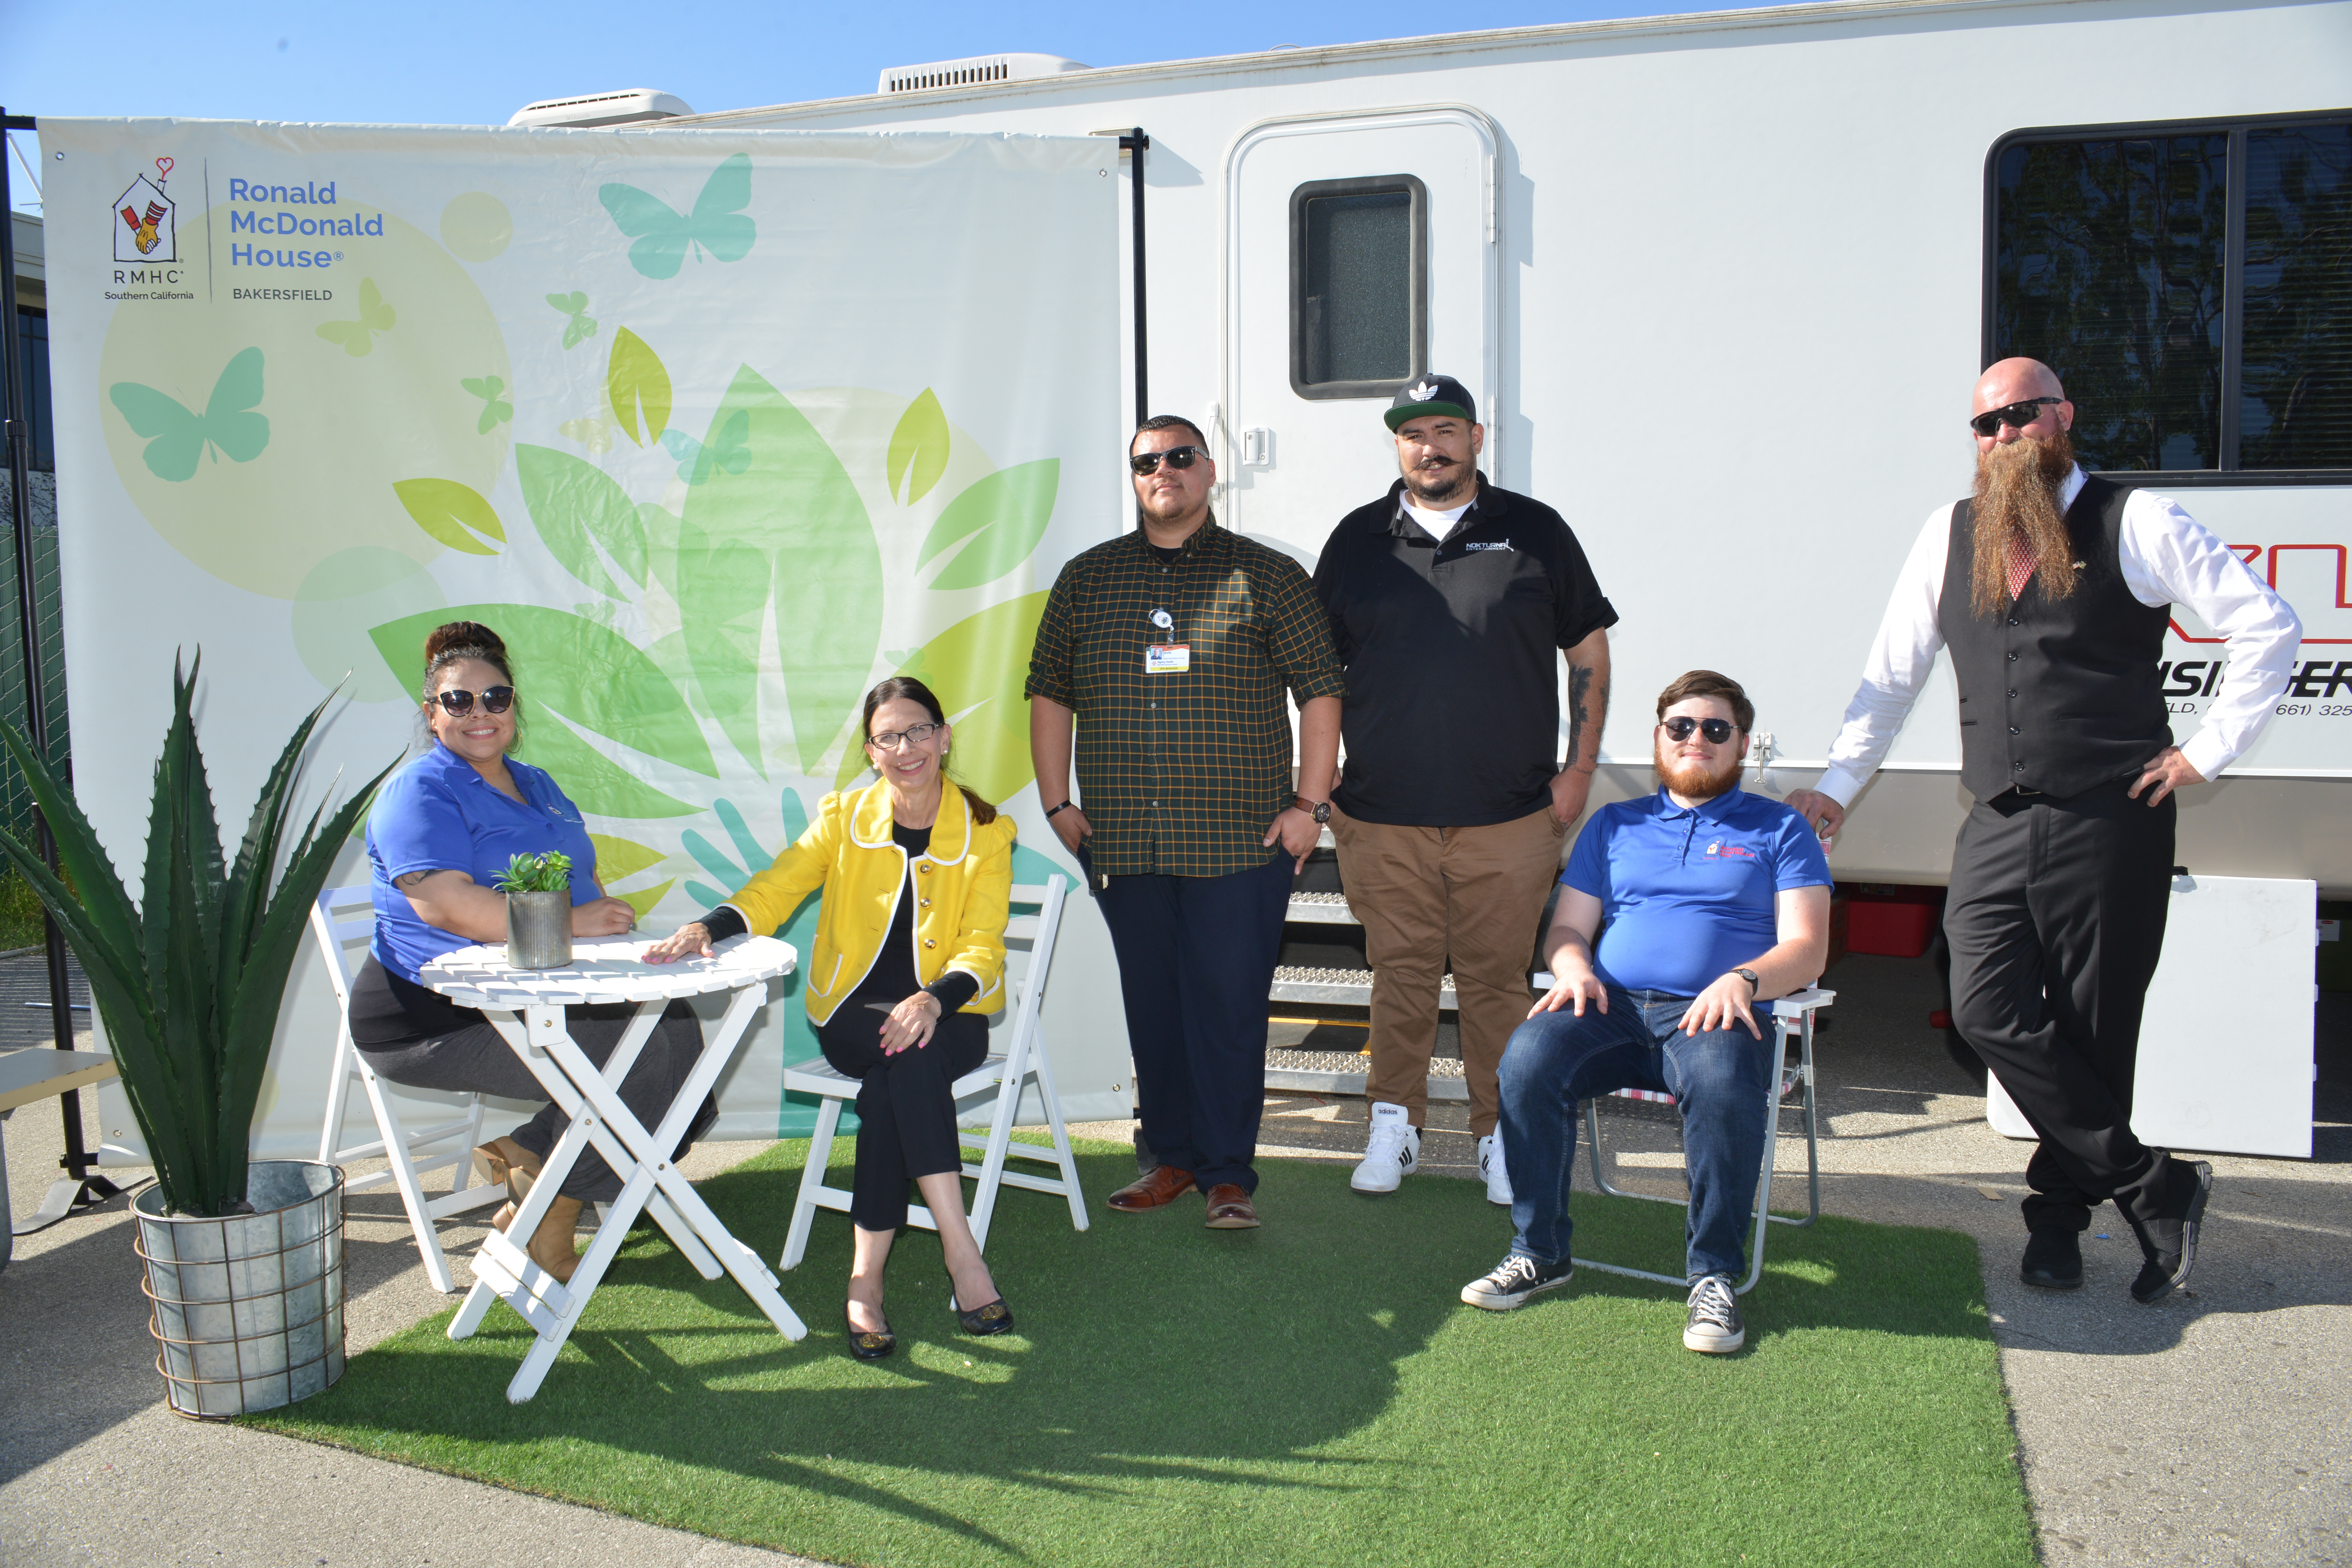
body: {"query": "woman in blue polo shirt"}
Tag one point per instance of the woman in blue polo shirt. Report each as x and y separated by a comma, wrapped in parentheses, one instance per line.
(439, 836)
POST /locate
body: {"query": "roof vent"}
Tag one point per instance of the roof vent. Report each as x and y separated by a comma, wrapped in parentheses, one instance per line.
(978, 71)
(632, 106)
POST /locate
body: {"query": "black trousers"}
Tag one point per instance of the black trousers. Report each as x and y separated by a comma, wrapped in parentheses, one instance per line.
(905, 1110)
(2056, 920)
(476, 1059)
(1196, 958)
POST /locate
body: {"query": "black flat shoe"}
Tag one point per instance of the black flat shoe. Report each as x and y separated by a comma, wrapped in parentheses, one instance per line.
(868, 1347)
(996, 1318)
(2053, 1260)
(2170, 1245)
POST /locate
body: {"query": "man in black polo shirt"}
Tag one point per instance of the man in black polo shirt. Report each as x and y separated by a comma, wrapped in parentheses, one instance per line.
(1447, 598)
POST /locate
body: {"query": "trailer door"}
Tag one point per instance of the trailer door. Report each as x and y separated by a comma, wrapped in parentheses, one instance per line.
(1360, 252)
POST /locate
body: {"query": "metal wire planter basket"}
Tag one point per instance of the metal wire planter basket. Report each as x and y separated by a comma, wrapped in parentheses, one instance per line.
(247, 1310)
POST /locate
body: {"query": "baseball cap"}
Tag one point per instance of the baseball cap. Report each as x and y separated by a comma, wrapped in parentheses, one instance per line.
(1432, 395)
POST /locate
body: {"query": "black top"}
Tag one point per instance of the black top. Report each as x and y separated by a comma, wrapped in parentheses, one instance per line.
(892, 978)
(2056, 695)
(1452, 716)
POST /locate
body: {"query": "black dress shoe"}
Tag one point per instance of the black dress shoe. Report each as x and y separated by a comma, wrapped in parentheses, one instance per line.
(2053, 1260)
(996, 1318)
(869, 1347)
(2171, 1244)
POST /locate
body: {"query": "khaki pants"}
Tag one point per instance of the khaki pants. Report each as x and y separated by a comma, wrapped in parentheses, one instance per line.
(1423, 893)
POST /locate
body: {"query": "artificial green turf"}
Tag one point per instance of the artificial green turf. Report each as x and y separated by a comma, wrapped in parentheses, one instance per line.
(1310, 1393)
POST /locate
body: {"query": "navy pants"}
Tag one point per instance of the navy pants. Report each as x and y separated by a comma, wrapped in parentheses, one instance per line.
(1196, 958)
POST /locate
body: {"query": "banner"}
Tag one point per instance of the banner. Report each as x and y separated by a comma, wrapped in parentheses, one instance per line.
(715, 428)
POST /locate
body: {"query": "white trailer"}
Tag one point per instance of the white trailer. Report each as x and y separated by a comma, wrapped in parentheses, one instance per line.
(1722, 283)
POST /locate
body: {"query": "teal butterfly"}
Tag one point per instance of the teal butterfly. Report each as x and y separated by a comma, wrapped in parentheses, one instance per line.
(181, 435)
(731, 451)
(580, 325)
(375, 316)
(664, 236)
(495, 409)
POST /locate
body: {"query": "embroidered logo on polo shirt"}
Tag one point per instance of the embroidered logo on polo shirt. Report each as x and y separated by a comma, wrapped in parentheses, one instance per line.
(1723, 851)
(1489, 545)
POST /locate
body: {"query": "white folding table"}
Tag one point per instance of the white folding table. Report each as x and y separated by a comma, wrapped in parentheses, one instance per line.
(527, 1006)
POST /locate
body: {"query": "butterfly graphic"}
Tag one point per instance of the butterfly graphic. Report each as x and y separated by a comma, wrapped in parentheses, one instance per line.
(495, 409)
(581, 325)
(358, 336)
(664, 236)
(181, 435)
(593, 432)
(731, 451)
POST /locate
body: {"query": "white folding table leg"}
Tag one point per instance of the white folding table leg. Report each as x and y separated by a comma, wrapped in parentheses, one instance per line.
(580, 1287)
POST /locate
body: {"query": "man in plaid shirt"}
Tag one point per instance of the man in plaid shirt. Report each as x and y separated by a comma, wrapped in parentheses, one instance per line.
(1173, 646)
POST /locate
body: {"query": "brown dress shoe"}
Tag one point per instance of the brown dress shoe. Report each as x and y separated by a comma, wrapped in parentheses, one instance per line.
(1230, 1208)
(1165, 1184)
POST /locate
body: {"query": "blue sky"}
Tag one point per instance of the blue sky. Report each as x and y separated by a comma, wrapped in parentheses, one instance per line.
(437, 63)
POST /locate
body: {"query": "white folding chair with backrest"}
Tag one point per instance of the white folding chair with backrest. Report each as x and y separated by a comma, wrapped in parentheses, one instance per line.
(1792, 1024)
(344, 919)
(1023, 1061)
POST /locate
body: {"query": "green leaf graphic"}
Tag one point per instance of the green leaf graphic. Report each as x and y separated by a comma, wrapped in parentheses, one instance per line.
(181, 435)
(637, 385)
(918, 448)
(573, 502)
(596, 784)
(978, 667)
(619, 860)
(794, 510)
(446, 509)
(588, 673)
(1007, 511)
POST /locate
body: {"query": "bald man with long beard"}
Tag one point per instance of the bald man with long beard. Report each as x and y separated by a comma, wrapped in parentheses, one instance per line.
(2053, 591)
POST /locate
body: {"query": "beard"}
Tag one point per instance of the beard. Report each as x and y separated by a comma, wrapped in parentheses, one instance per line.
(2017, 499)
(1694, 780)
(1440, 487)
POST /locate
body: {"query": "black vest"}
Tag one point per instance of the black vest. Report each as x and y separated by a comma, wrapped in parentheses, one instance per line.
(2056, 695)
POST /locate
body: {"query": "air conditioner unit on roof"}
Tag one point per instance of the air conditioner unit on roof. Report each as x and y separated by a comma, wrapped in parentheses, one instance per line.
(630, 106)
(977, 71)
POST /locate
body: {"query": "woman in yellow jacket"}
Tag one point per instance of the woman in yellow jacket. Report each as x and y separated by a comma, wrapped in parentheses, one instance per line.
(908, 963)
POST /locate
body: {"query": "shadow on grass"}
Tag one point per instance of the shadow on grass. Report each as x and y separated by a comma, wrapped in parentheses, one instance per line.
(1226, 1395)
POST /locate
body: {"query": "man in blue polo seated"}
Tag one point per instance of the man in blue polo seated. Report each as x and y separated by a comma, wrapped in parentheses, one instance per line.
(1709, 902)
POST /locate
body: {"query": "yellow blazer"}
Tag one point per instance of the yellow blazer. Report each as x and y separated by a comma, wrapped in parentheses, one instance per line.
(962, 892)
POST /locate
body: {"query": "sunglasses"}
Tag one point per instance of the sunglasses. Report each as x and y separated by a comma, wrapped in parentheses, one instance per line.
(495, 699)
(1679, 728)
(2017, 417)
(1178, 457)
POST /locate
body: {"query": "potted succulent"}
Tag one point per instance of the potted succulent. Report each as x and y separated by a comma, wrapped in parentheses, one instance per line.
(243, 1256)
(538, 909)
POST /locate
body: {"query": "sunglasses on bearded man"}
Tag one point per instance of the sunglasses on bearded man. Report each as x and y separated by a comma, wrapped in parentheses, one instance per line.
(2017, 417)
(1678, 728)
(1179, 457)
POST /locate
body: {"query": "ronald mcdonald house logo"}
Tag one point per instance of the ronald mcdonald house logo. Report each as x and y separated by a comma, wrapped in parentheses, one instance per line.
(146, 229)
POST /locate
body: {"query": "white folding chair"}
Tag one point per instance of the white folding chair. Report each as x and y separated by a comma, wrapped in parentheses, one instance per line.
(1792, 1022)
(1024, 1061)
(341, 918)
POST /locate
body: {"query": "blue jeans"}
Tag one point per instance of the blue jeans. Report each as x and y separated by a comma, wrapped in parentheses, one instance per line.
(1722, 1079)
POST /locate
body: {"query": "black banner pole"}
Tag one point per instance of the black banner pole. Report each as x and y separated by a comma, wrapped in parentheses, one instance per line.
(1135, 142)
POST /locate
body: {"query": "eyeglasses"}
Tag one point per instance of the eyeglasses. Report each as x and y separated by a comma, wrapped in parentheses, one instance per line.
(1679, 728)
(495, 699)
(891, 740)
(2017, 417)
(1178, 457)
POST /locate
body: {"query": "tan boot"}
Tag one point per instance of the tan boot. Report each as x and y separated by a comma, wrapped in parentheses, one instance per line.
(552, 1246)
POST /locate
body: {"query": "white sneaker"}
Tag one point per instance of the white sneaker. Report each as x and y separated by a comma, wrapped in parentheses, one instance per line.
(1492, 1170)
(1391, 1153)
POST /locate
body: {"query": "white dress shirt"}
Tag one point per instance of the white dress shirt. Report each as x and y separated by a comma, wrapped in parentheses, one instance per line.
(2168, 558)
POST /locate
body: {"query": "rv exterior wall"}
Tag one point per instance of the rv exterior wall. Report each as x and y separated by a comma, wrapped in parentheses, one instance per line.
(1740, 282)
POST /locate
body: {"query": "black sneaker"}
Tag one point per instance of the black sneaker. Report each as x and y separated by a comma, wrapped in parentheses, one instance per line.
(2053, 1260)
(1515, 1279)
(1715, 1326)
(2171, 1244)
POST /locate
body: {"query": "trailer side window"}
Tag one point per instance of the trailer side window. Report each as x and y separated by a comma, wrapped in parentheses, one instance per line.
(2191, 283)
(1359, 285)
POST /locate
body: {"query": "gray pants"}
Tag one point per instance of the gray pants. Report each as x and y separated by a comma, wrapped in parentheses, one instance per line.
(478, 1060)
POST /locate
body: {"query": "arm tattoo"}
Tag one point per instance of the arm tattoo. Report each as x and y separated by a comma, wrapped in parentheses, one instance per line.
(1580, 688)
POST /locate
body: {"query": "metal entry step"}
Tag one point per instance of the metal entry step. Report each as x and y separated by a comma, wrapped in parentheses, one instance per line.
(1342, 1072)
(1338, 987)
(1321, 909)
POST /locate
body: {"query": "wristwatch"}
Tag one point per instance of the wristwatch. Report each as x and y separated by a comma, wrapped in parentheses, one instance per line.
(1754, 985)
(1320, 810)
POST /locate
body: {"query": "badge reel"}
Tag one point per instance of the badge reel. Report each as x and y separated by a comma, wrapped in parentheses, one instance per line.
(1166, 658)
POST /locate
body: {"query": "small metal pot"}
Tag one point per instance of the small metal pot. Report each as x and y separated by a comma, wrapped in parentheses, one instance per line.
(539, 929)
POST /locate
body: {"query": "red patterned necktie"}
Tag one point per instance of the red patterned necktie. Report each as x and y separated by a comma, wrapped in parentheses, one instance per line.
(2021, 566)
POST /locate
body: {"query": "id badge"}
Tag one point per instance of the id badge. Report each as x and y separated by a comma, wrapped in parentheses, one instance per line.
(1167, 657)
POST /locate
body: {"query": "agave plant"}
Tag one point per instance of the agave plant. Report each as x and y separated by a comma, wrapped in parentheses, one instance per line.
(190, 980)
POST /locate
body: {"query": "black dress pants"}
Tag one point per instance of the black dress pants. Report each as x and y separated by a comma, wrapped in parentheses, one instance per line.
(2056, 920)
(905, 1106)
(1196, 958)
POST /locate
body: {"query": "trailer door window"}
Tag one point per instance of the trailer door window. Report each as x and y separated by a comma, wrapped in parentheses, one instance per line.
(1359, 285)
(2192, 284)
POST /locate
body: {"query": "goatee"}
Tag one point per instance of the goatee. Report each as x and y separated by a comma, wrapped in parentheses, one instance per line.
(1695, 781)
(2017, 499)
(1438, 489)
